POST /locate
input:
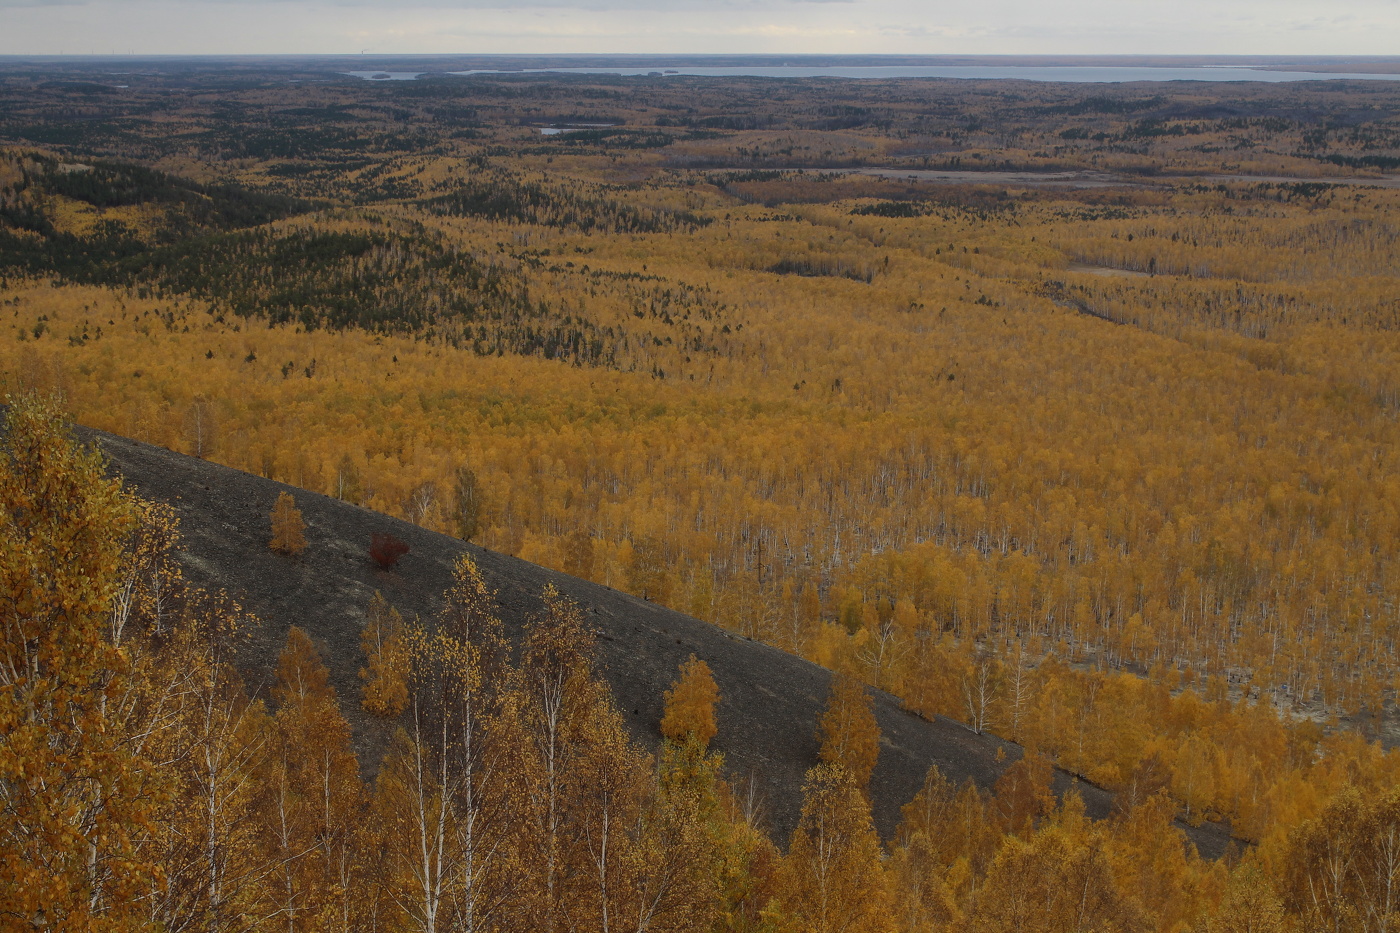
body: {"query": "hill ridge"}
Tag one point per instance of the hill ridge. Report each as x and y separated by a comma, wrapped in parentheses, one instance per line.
(769, 700)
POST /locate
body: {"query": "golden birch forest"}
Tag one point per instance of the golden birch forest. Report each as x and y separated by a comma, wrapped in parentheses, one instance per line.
(1068, 412)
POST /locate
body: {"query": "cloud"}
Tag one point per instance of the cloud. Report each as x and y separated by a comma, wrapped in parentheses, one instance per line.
(650, 6)
(701, 26)
(1254, 27)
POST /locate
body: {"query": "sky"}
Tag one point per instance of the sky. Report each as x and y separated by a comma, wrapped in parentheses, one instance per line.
(1214, 27)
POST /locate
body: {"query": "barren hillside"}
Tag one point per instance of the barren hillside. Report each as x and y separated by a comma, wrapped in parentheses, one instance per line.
(769, 700)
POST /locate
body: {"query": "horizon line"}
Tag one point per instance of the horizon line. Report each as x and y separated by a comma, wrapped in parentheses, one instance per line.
(781, 57)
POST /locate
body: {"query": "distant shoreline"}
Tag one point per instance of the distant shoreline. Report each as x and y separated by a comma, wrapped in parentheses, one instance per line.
(1047, 73)
(1314, 64)
(1070, 69)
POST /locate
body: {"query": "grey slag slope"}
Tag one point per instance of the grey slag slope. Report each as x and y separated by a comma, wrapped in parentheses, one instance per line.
(770, 701)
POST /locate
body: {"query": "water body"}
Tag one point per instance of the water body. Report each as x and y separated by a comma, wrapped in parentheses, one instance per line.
(575, 128)
(1076, 179)
(386, 75)
(1071, 73)
(1081, 179)
(1107, 272)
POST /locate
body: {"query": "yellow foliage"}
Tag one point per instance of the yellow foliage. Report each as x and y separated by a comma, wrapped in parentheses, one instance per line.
(75, 792)
(387, 660)
(287, 526)
(849, 734)
(690, 705)
(833, 879)
(990, 447)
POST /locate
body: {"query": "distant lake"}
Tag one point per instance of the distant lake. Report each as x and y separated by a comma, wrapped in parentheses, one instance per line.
(1072, 73)
(574, 128)
(386, 75)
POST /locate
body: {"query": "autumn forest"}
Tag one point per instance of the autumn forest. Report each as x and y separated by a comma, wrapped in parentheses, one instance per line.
(1067, 412)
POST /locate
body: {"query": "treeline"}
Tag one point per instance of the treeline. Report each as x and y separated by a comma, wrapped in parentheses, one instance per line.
(122, 211)
(30, 178)
(116, 184)
(502, 196)
(319, 277)
(387, 273)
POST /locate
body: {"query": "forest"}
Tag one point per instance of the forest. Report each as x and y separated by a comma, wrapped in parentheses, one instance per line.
(1090, 444)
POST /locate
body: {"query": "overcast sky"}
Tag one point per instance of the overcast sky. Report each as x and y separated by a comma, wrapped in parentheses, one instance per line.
(1264, 27)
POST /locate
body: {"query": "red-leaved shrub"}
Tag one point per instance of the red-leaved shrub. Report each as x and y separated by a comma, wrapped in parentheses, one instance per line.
(385, 549)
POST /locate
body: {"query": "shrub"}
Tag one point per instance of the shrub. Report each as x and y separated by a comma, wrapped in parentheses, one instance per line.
(386, 549)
